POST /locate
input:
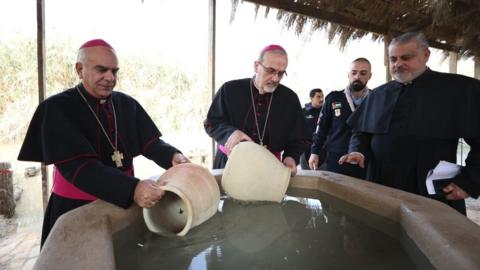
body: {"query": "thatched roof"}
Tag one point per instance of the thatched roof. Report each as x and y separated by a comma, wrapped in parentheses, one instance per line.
(452, 25)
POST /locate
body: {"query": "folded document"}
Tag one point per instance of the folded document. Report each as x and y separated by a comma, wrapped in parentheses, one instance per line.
(441, 176)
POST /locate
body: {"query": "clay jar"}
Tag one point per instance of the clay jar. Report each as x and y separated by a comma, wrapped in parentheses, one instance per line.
(253, 173)
(191, 197)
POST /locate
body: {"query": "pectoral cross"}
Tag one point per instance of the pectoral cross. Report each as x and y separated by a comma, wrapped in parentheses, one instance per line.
(117, 157)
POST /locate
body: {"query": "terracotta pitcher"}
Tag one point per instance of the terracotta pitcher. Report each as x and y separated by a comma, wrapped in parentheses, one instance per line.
(253, 173)
(191, 197)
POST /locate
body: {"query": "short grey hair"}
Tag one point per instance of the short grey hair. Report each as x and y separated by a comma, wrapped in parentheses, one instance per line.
(276, 51)
(81, 56)
(418, 37)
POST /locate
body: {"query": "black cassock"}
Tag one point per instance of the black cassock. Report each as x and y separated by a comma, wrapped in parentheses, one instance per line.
(404, 130)
(64, 132)
(232, 109)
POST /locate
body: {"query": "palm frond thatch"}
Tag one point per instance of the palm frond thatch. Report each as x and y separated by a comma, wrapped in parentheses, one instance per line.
(452, 25)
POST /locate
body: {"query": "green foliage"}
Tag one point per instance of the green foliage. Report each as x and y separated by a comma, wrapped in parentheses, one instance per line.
(60, 66)
(175, 100)
(18, 84)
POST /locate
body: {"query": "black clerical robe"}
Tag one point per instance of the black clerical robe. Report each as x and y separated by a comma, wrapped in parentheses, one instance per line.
(232, 108)
(404, 130)
(64, 132)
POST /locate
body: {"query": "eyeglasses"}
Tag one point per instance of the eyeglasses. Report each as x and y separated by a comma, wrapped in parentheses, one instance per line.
(272, 71)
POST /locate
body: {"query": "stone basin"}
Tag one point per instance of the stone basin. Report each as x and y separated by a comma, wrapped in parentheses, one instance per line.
(83, 238)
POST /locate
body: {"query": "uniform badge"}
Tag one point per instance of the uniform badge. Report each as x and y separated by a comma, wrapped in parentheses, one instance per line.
(337, 112)
(336, 106)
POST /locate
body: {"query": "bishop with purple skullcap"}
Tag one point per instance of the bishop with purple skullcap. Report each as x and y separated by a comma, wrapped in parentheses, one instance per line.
(95, 43)
(273, 47)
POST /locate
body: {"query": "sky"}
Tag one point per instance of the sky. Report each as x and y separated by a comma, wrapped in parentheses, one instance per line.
(176, 32)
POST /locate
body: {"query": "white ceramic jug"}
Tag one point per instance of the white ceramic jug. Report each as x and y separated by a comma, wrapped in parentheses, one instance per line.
(253, 173)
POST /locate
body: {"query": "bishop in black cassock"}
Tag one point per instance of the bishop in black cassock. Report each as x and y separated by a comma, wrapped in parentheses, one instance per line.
(262, 109)
(405, 127)
(69, 130)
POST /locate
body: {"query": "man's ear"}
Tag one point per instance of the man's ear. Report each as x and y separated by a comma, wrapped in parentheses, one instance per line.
(78, 68)
(427, 54)
(255, 66)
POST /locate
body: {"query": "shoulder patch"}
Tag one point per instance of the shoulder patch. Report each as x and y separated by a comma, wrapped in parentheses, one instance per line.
(336, 105)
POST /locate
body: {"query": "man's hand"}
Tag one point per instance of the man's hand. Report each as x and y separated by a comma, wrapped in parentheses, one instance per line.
(236, 137)
(291, 164)
(313, 161)
(179, 158)
(147, 193)
(454, 192)
(353, 158)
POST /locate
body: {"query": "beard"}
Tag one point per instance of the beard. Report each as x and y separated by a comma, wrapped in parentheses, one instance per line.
(270, 88)
(265, 87)
(357, 86)
(402, 75)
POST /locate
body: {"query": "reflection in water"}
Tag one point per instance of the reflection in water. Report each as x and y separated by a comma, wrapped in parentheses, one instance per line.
(299, 233)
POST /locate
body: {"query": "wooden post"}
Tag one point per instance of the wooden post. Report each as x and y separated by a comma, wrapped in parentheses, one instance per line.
(41, 83)
(476, 72)
(386, 61)
(452, 63)
(7, 198)
(212, 21)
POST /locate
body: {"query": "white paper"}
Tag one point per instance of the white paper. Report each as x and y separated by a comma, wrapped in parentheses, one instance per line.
(443, 170)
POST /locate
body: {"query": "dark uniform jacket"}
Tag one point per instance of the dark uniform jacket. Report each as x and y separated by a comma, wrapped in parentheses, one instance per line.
(332, 132)
(311, 118)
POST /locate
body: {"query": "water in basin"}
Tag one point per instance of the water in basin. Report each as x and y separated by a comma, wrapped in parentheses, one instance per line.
(308, 230)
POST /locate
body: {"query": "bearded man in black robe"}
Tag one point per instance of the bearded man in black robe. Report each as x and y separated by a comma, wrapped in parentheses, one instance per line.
(259, 109)
(405, 127)
(91, 134)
